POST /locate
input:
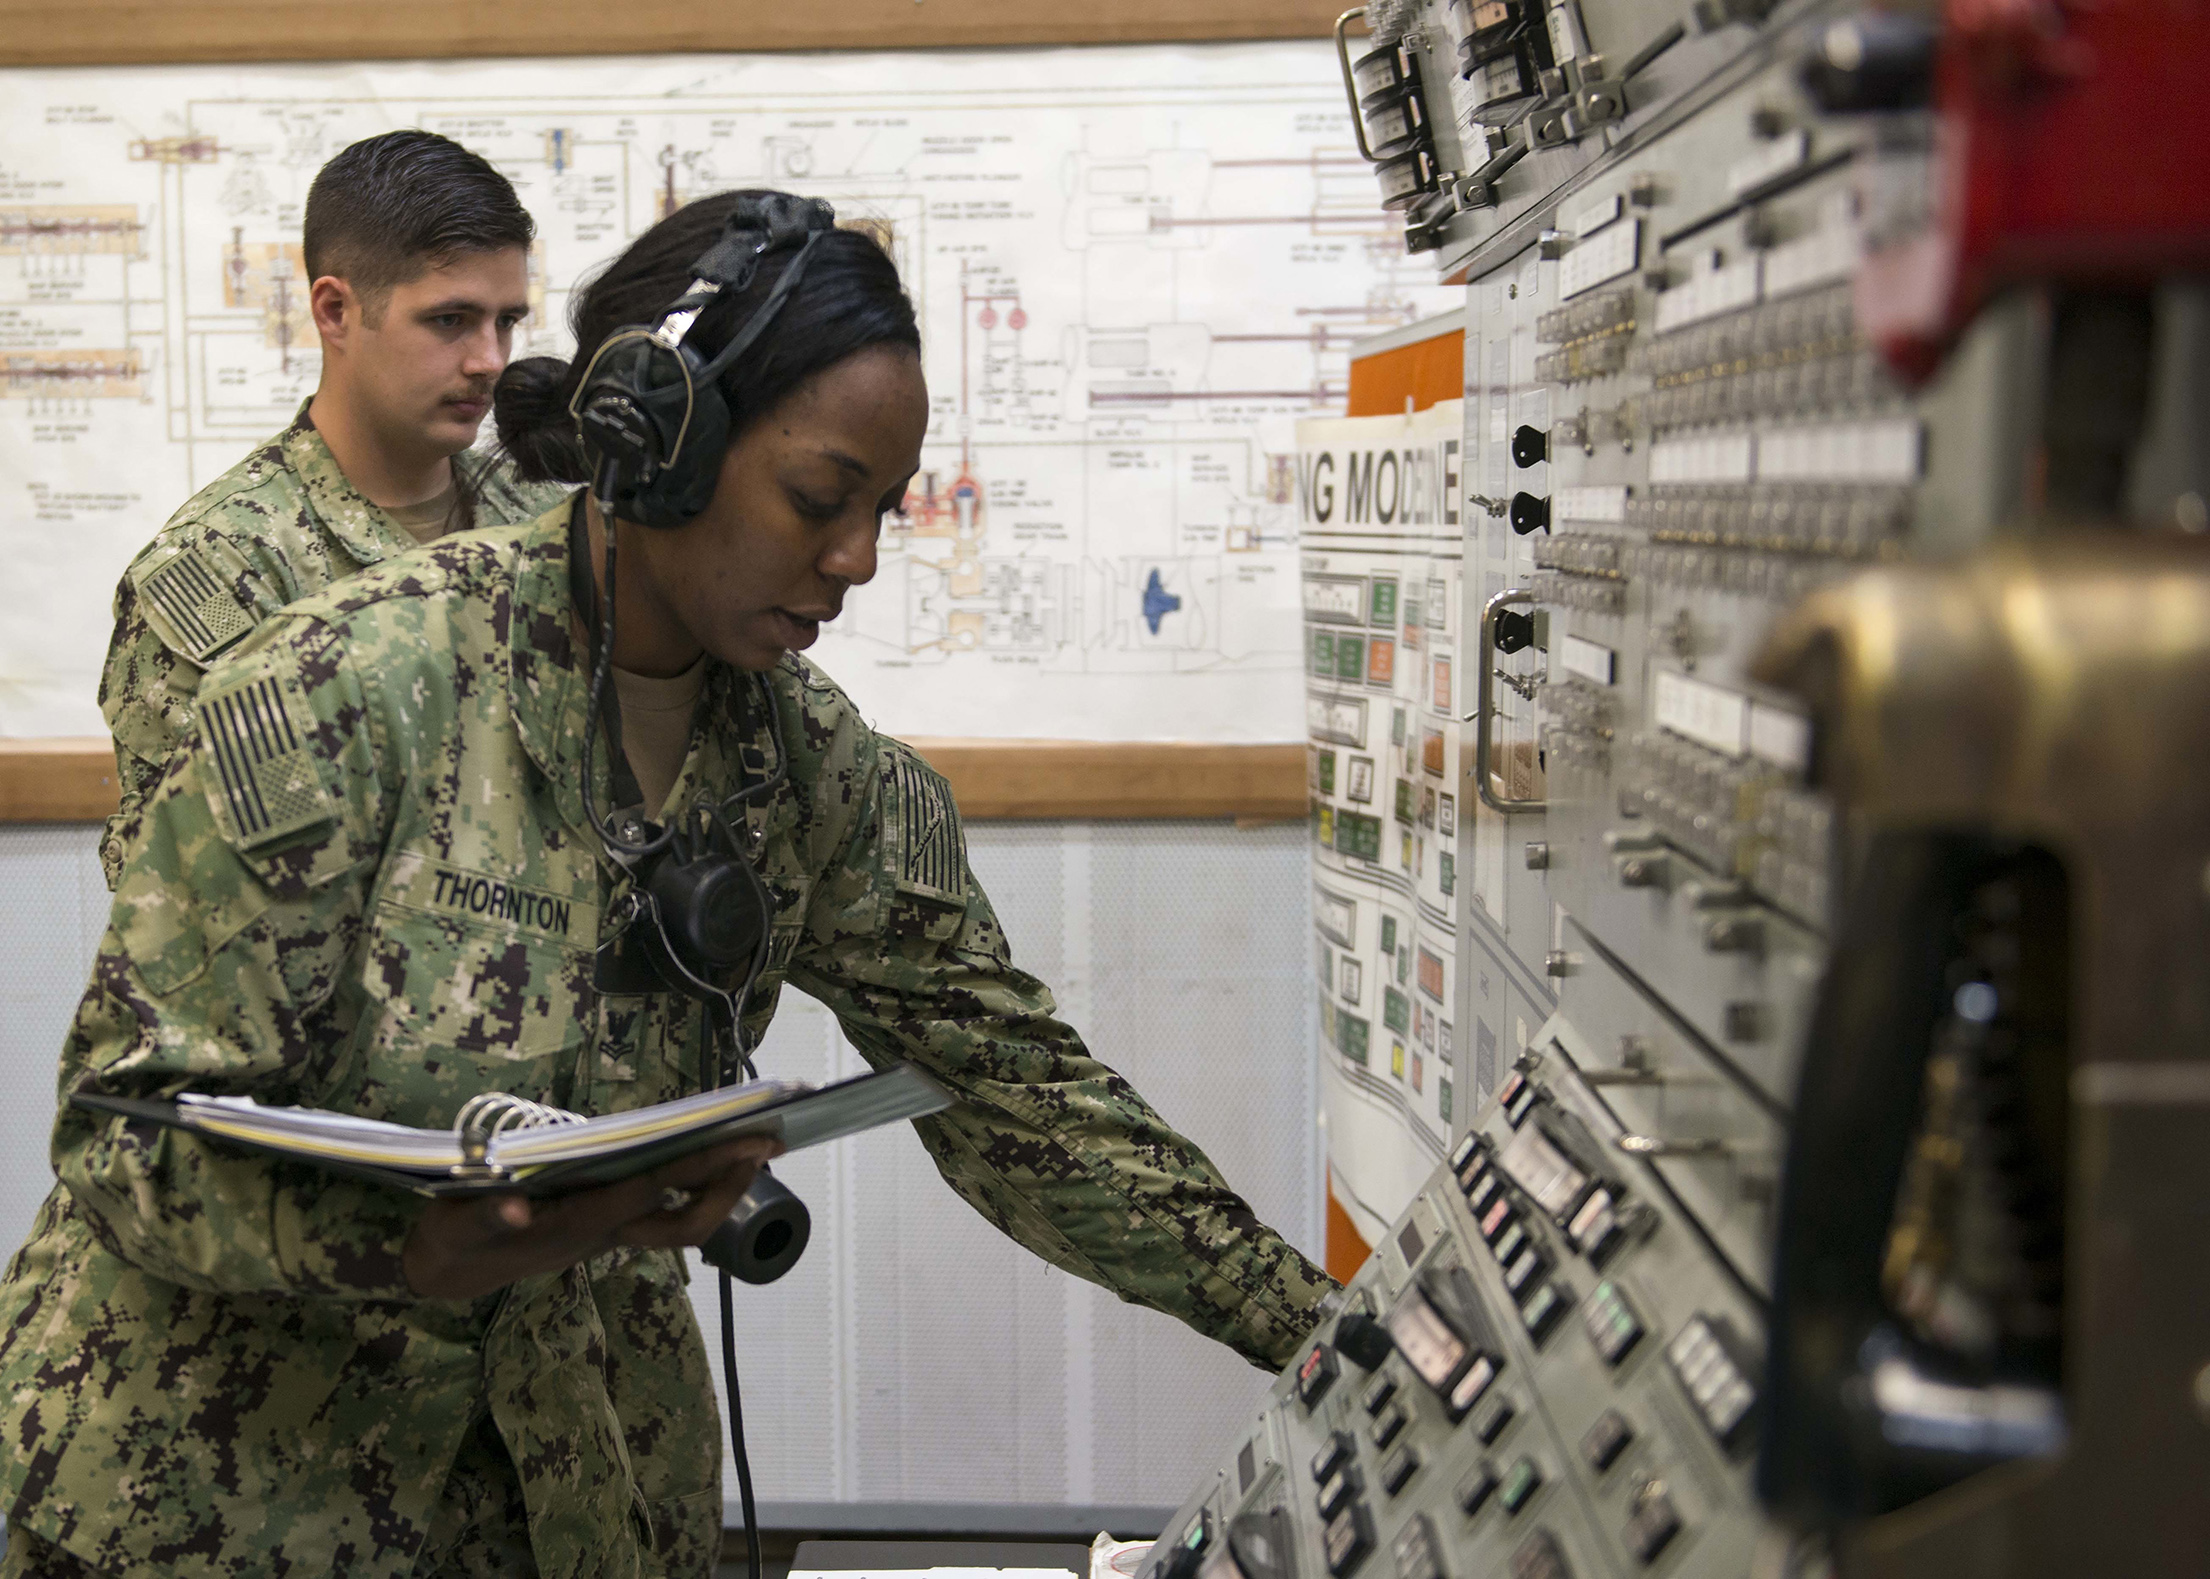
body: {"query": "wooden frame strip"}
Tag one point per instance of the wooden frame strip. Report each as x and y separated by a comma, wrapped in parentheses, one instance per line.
(73, 780)
(136, 32)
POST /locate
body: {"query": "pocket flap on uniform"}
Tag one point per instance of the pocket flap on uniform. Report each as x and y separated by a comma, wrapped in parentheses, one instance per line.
(917, 912)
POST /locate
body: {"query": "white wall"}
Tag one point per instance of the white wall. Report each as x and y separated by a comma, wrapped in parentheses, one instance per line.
(915, 1356)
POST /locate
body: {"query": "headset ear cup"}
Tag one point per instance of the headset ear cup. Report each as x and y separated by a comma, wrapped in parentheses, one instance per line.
(683, 489)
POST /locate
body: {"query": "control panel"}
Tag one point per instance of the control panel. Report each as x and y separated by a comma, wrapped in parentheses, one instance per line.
(1542, 1371)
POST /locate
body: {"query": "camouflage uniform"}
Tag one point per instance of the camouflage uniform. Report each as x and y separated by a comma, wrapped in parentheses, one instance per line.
(280, 524)
(367, 884)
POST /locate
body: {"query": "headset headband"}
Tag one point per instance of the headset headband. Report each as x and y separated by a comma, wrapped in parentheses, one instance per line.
(755, 227)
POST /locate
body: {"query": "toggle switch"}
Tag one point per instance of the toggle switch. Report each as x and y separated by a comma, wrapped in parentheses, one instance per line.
(1530, 512)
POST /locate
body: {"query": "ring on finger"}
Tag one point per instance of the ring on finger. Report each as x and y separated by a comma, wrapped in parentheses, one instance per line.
(675, 1200)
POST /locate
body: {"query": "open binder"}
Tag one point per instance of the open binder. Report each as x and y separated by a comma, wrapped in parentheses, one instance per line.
(508, 1144)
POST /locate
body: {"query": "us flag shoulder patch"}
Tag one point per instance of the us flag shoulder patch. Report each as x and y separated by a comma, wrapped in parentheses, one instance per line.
(191, 603)
(270, 784)
(934, 852)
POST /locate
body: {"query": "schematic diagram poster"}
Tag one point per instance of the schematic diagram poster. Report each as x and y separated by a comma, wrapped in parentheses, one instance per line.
(1135, 267)
(1378, 504)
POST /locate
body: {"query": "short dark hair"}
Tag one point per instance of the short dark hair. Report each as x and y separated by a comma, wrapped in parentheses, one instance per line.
(849, 300)
(388, 209)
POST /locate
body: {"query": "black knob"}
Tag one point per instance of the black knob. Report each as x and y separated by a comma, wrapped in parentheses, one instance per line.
(1515, 631)
(1364, 1339)
(1872, 61)
(1530, 513)
(1530, 446)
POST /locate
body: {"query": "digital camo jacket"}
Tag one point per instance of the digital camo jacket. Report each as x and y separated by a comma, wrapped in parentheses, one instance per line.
(214, 1361)
(279, 525)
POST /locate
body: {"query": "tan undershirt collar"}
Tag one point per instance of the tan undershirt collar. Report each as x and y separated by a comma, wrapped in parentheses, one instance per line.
(431, 519)
(656, 726)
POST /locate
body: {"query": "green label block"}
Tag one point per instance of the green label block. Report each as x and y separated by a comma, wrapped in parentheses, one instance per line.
(1352, 1032)
(1396, 1011)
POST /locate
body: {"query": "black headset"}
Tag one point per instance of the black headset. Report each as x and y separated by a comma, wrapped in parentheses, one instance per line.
(648, 409)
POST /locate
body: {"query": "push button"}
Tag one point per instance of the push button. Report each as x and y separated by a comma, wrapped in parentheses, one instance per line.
(1418, 1554)
(1524, 1270)
(1612, 1323)
(1701, 1355)
(1316, 1375)
(1349, 1536)
(1545, 1308)
(1606, 1440)
(1397, 1468)
(1652, 1521)
(1388, 1427)
(1540, 1557)
(1378, 1392)
(1336, 1490)
(1476, 1489)
(1334, 1453)
(1520, 1484)
(1493, 1417)
(1595, 1228)
(1470, 1387)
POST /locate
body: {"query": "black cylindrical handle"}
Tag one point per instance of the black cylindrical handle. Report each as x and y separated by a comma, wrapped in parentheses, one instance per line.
(1874, 61)
(1364, 1339)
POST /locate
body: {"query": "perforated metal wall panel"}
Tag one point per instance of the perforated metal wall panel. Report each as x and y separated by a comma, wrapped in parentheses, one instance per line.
(50, 924)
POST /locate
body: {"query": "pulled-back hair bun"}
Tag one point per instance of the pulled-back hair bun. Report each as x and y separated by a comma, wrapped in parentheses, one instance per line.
(850, 299)
(529, 407)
